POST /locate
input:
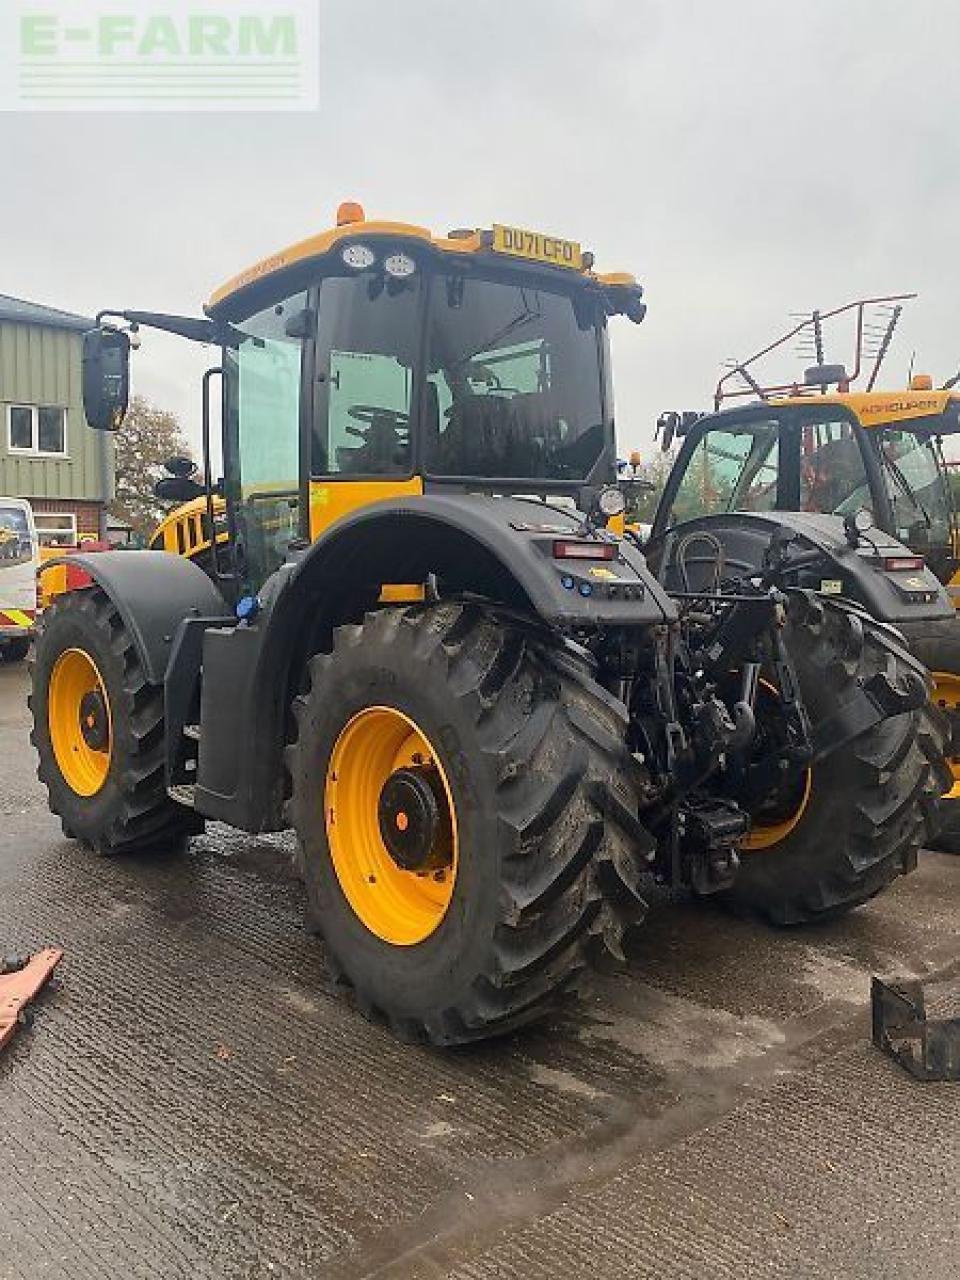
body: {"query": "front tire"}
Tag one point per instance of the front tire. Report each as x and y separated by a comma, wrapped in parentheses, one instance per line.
(858, 819)
(534, 865)
(98, 731)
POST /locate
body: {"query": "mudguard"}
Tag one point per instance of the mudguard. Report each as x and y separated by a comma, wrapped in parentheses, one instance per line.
(500, 547)
(153, 592)
(895, 596)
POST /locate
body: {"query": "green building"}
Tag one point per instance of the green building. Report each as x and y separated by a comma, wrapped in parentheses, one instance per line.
(48, 454)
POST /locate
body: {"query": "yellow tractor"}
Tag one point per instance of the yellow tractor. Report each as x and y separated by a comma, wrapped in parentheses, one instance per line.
(188, 531)
(420, 645)
(821, 447)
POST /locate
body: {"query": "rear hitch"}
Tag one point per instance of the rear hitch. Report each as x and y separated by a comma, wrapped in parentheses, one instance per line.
(928, 1049)
(712, 829)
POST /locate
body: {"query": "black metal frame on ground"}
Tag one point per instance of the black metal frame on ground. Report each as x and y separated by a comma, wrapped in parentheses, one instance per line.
(929, 1050)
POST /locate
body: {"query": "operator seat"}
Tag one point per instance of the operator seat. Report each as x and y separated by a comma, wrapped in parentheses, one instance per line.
(381, 453)
(476, 441)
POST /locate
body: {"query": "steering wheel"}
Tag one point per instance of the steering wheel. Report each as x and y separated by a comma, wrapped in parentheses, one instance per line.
(370, 413)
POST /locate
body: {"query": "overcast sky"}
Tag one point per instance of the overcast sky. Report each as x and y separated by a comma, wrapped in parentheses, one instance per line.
(744, 158)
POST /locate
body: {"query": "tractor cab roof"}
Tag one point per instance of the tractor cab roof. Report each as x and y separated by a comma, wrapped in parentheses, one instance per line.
(888, 408)
(500, 245)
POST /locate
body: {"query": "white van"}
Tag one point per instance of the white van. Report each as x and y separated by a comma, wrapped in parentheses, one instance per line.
(19, 562)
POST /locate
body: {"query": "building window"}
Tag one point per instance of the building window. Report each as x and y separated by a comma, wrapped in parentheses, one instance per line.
(37, 429)
(21, 427)
(56, 528)
(50, 430)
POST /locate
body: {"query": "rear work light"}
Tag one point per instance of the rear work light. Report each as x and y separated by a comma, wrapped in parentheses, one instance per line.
(903, 564)
(565, 549)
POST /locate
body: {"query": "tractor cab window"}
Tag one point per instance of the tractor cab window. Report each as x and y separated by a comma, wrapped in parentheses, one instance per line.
(366, 352)
(513, 382)
(915, 479)
(833, 479)
(263, 377)
(733, 469)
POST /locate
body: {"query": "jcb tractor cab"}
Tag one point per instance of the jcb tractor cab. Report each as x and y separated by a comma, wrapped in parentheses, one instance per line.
(872, 458)
(421, 647)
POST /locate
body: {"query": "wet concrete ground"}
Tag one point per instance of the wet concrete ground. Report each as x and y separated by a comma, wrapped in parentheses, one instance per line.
(195, 1099)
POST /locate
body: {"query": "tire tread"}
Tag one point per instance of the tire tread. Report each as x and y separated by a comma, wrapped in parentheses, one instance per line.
(531, 706)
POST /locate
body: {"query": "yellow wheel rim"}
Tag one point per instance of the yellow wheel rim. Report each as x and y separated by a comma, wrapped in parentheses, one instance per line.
(79, 720)
(764, 835)
(399, 906)
(946, 695)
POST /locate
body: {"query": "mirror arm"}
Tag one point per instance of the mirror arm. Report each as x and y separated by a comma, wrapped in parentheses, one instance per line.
(189, 327)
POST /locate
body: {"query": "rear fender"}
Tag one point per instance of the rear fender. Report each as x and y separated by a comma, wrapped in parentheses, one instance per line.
(501, 547)
(889, 596)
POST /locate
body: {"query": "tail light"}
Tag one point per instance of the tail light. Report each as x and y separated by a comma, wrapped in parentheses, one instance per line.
(903, 564)
(567, 549)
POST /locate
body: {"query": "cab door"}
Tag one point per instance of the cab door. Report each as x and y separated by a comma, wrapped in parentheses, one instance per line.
(266, 416)
(839, 471)
(366, 393)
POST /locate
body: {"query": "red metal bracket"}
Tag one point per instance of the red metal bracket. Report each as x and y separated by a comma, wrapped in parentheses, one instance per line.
(17, 989)
(742, 368)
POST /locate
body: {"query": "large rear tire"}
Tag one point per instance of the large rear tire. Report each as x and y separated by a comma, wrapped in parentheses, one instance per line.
(535, 868)
(937, 645)
(857, 818)
(98, 731)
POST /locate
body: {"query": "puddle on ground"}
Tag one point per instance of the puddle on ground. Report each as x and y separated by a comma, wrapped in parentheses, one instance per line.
(835, 977)
(672, 1033)
(564, 1082)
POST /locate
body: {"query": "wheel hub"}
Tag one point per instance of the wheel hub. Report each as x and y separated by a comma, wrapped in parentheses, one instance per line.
(411, 816)
(79, 722)
(94, 721)
(388, 806)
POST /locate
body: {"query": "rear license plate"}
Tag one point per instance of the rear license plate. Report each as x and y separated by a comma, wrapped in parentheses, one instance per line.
(537, 247)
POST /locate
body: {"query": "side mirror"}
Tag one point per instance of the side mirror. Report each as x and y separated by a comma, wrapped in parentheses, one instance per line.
(625, 300)
(106, 378)
(671, 425)
(182, 467)
(177, 489)
(667, 427)
(636, 308)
